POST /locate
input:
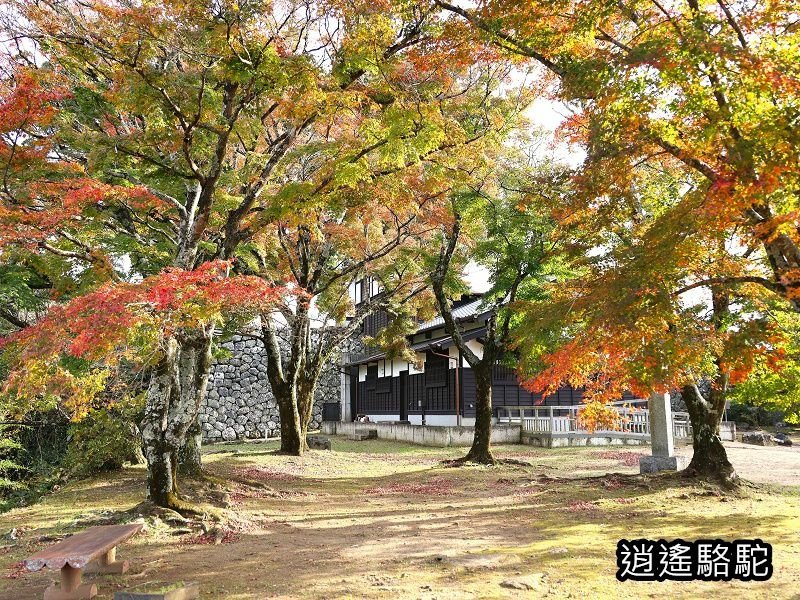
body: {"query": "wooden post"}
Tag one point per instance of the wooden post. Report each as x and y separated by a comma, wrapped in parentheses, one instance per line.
(71, 586)
(550, 414)
(108, 564)
(70, 578)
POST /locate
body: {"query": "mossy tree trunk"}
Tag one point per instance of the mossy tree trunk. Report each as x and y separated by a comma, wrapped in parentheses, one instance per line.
(306, 396)
(284, 376)
(189, 456)
(292, 439)
(296, 408)
(177, 387)
(709, 458)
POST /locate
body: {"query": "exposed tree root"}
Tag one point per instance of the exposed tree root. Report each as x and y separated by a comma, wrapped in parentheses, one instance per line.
(180, 506)
(463, 461)
(190, 470)
(727, 479)
(253, 483)
(514, 462)
(281, 452)
(491, 462)
(208, 478)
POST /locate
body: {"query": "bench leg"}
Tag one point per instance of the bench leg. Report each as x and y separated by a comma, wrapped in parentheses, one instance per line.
(108, 564)
(70, 587)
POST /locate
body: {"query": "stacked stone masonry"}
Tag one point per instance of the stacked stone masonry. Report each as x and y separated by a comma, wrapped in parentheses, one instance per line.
(240, 403)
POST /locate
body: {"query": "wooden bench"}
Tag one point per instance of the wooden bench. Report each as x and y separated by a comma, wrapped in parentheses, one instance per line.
(96, 545)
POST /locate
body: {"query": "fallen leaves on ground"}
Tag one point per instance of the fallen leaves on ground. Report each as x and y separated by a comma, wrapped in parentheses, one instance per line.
(434, 487)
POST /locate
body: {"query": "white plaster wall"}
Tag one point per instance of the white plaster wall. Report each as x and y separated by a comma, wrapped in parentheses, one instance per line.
(412, 369)
(452, 351)
(428, 436)
(344, 397)
(437, 419)
(441, 420)
(398, 365)
(476, 347)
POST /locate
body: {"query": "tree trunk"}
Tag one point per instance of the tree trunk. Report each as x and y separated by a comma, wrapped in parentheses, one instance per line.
(784, 258)
(306, 392)
(291, 379)
(709, 458)
(177, 387)
(162, 485)
(295, 406)
(292, 439)
(189, 457)
(480, 452)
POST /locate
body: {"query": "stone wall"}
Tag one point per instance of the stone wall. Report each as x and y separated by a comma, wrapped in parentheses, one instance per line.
(240, 403)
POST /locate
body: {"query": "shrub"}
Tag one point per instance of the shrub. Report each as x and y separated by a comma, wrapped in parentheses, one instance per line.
(10, 469)
(31, 451)
(742, 412)
(104, 440)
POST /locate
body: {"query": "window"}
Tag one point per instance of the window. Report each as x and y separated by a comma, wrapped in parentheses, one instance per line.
(360, 288)
(372, 377)
(435, 370)
(372, 372)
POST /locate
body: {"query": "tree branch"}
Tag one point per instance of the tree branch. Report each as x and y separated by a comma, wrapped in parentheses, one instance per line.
(520, 46)
(773, 286)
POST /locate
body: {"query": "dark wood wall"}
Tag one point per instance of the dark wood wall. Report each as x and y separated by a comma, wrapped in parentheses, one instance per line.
(374, 322)
(436, 391)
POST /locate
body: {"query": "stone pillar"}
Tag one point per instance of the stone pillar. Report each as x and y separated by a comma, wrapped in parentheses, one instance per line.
(661, 438)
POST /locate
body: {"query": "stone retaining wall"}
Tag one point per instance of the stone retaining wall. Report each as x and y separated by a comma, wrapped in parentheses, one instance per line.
(240, 403)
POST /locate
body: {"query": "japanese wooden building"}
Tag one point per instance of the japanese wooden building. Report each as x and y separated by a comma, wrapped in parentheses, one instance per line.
(439, 385)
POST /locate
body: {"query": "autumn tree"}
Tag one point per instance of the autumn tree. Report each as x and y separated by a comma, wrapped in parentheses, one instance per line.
(712, 86)
(39, 196)
(372, 218)
(704, 91)
(193, 132)
(774, 383)
(125, 120)
(322, 256)
(68, 233)
(190, 108)
(500, 226)
(629, 321)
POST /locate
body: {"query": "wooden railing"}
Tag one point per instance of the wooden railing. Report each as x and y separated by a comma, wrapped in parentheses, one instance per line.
(681, 425)
(634, 419)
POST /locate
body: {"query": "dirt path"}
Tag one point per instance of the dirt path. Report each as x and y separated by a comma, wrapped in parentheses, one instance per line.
(763, 464)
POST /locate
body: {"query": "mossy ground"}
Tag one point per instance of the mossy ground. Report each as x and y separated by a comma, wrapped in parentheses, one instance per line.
(379, 519)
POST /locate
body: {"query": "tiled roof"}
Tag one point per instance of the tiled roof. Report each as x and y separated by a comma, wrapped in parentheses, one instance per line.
(470, 309)
(442, 342)
(460, 313)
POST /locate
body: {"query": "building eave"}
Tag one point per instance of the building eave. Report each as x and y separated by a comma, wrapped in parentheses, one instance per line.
(438, 343)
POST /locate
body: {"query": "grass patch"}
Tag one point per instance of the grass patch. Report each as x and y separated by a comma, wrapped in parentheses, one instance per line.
(378, 519)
